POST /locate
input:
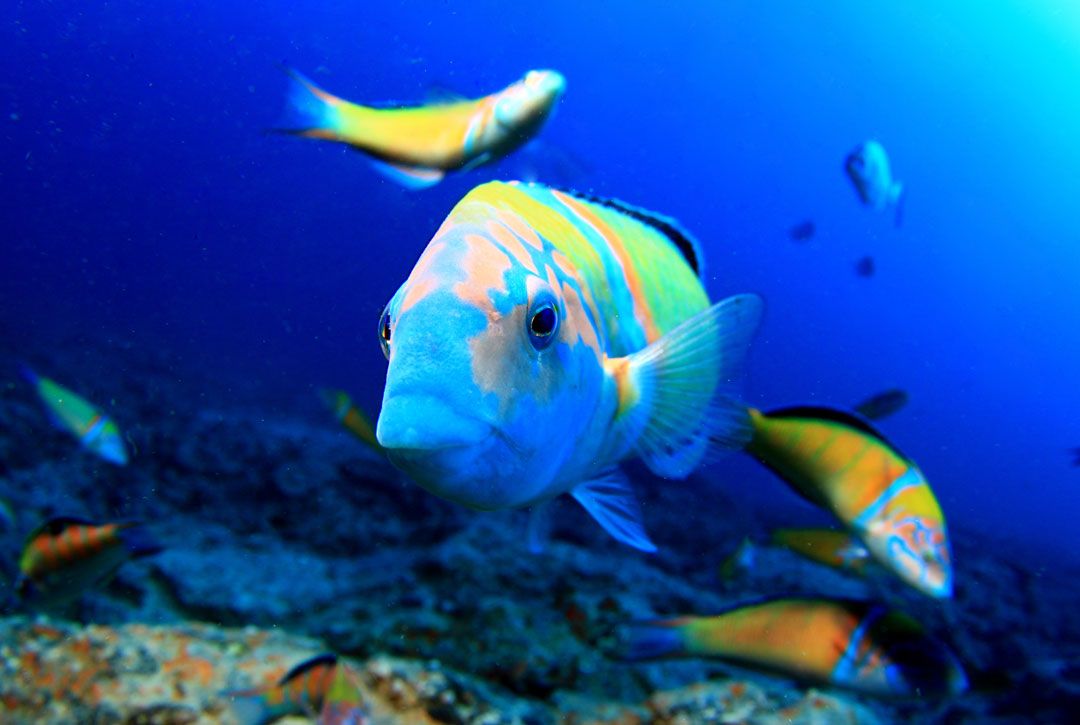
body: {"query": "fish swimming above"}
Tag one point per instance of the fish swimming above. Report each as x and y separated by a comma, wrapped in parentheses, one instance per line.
(839, 462)
(416, 146)
(883, 404)
(545, 336)
(870, 172)
(65, 556)
(301, 691)
(97, 432)
(851, 644)
(836, 549)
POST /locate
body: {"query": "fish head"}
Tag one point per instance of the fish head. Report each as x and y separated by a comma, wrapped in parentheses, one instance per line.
(910, 661)
(530, 100)
(868, 168)
(493, 368)
(110, 445)
(908, 536)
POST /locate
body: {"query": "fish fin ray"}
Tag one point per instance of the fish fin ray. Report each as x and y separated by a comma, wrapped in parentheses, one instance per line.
(666, 375)
(611, 502)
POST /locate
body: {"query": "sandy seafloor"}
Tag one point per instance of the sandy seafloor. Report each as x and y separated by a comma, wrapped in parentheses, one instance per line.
(286, 537)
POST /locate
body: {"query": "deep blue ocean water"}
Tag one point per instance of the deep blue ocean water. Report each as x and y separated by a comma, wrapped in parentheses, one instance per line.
(142, 200)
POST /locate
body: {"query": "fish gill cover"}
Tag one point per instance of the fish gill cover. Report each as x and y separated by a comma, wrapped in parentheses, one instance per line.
(896, 183)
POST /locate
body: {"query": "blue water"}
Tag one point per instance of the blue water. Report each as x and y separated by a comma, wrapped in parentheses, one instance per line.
(143, 201)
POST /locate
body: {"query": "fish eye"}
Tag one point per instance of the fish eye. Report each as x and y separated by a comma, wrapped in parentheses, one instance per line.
(384, 332)
(543, 322)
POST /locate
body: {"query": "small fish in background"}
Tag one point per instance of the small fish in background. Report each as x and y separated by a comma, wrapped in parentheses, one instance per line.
(544, 337)
(344, 701)
(839, 462)
(850, 644)
(65, 556)
(869, 170)
(351, 417)
(883, 404)
(95, 430)
(865, 267)
(836, 549)
(301, 691)
(739, 562)
(416, 146)
(803, 231)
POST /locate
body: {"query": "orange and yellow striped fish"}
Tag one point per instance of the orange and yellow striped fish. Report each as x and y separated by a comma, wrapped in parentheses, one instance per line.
(417, 146)
(544, 337)
(839, 462)
(65, 556)
(301, 691)
(855, 645)
(836, 549)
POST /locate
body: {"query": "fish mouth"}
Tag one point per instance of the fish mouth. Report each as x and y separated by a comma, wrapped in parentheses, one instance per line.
(413, 424)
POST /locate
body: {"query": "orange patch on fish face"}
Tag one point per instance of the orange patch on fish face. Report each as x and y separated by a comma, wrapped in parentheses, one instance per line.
(485, 272)
(494, 357)
(513, 244)
(524, 231)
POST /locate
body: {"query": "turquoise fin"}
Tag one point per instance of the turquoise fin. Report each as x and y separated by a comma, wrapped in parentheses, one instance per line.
(686, 384)
(306, 107)
(610, 500)
(411, 177)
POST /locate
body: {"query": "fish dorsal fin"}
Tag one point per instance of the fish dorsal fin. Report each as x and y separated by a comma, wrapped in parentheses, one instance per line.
(57, 525)
(438, 95)
(686, 244)
(835, 415)
(327, 659)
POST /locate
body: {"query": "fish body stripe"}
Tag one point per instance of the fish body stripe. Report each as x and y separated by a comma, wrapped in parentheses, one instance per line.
(848, 666)
(94, 428)
(909, 479)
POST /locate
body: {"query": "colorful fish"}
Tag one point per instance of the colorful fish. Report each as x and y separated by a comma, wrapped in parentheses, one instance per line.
(837, 549)
(855, 645)
(886, 403)
(65, 556)
(544, 337)
(301, 691)
(868, 168)
(353, 418)
(839, 462)
(95, 430)
(416, 146)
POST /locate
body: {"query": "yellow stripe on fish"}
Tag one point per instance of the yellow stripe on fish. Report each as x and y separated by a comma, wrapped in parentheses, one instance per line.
(416, 146)
(543, 337)
(856, 645)
(842, 464)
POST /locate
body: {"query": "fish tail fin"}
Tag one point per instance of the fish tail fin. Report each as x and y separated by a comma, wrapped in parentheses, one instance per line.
(899, 195)
(309, 110)
(138, 541)
(685, 383)
(652, 640)
(338, 401)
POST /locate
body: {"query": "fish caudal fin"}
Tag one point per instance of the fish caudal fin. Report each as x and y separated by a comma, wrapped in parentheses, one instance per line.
(685, 384)
(610, 500)
(309, 110)
(411, 177)
(139, 542)
(651, 640)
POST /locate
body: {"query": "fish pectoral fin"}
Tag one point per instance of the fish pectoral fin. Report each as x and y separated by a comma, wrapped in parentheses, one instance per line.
(610, 500)
(538, 531)
(411, 177)
(684, 387)
(478, 161)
